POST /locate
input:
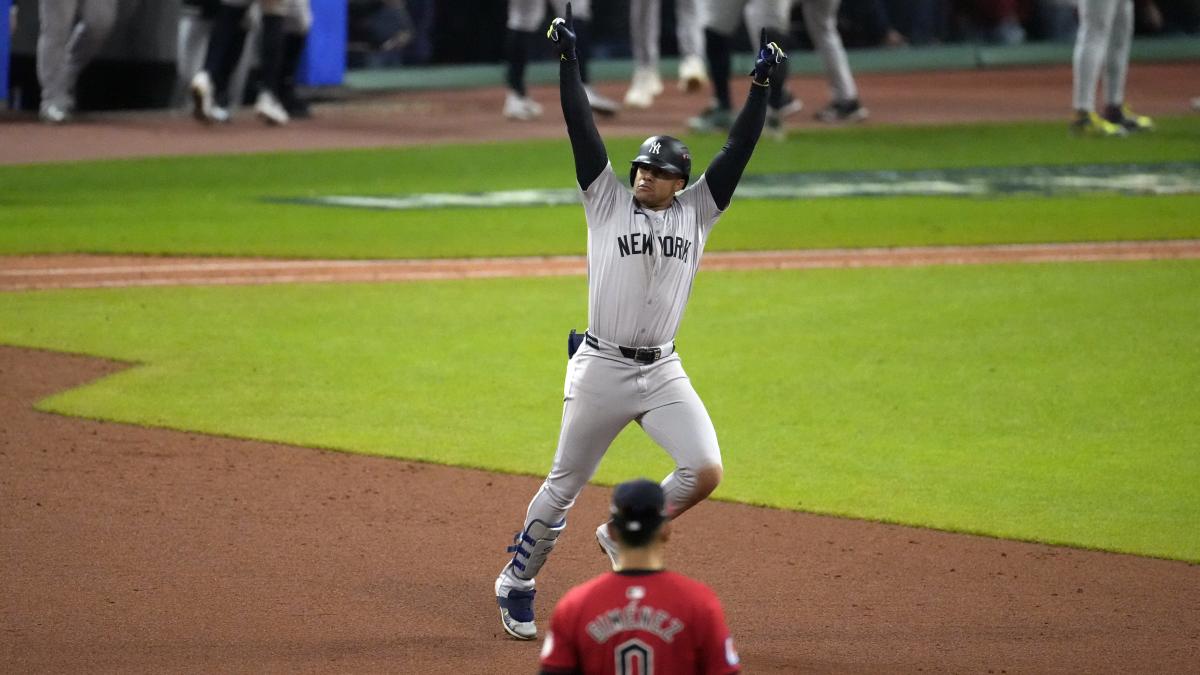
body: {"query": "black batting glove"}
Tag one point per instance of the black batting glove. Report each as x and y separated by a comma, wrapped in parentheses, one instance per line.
(562, 34)
(769, 56)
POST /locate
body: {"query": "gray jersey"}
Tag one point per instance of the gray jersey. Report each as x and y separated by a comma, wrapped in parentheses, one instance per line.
(641, 263)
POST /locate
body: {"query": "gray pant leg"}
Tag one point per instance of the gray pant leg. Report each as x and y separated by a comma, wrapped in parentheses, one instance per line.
(191, 42)
(723, 16)
(1091, 44)
(95, 24)
(57, 24)
(598, 403)
(580, 9)
(679, 422)
(820, 18)
(769, 14)
(644, 32)
(689, 29)
(1119, 42)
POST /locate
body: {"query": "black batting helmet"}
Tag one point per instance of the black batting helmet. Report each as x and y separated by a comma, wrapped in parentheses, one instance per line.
(665, 152)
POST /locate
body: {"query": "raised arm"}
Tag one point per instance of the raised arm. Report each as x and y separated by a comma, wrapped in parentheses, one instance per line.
(586, 145)
(726, 168)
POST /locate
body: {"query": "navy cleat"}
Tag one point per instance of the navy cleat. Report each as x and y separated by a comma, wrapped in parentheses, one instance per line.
(516, 612)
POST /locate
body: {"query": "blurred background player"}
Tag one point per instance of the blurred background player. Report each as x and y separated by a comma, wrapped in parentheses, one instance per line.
(284, 29)
(645, 28)
(1103, 41)
(820, 20)
(525, 29)
(721, 19)
(70, 34)
(676, 624)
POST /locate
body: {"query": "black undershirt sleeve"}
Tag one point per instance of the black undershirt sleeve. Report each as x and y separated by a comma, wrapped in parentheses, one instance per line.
(726, 168)
(586, 144)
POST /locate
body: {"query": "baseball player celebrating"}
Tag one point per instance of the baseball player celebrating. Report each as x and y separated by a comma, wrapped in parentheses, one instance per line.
(639, 618)
(1104, 37)
(643, 253)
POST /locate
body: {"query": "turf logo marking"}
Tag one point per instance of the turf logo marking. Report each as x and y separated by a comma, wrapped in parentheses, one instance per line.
(1136, 179)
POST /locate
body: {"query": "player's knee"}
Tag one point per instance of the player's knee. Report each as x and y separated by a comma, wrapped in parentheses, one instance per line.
(707, 480)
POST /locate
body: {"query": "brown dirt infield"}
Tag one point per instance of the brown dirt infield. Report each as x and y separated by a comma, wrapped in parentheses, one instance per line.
(471, 115)
(126, 549)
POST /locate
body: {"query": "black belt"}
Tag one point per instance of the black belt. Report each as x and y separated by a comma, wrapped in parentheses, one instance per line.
(639, 354)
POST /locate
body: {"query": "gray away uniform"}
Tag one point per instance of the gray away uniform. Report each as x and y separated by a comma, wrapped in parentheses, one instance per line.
(641, 264)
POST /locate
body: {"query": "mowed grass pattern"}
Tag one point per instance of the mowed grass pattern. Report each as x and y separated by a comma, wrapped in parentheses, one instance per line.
(214, 205)
(1046, 402)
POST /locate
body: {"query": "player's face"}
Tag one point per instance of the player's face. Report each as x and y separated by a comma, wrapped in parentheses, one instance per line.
(654, 187)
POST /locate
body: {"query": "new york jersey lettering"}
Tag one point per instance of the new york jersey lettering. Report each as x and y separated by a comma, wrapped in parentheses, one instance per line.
(643, 244)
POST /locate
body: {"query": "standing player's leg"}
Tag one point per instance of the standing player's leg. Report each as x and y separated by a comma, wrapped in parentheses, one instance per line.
(210, 86)
(598, 403)
(820, 19)
(1091, 44)
(581, 11)
(721, 18)
(195, 25)
(775, 17)
(56, 23)
(521, 34)
(689, 33)
(295, 37)
(677, 420)
(644, 33)
(1116, 68)
(96, 20)
(267, 105)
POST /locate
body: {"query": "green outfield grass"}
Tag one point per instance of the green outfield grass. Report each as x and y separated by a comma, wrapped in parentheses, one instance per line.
(1055, 403)
(213, 205)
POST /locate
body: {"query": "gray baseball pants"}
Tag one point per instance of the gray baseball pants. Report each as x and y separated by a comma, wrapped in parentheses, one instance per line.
(645, 28)
(603, 393)
(1104, 38)
(71, 34)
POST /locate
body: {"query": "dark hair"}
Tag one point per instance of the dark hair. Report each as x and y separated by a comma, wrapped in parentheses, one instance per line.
(638, 511)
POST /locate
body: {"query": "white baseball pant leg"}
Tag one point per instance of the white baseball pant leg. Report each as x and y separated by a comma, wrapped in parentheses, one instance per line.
(723, 16)
(1091, 45)
(71, 34)
(1117, 61)
(689, 28)
(644, 31)
(530, 15)
(820, 19)
(770, 14)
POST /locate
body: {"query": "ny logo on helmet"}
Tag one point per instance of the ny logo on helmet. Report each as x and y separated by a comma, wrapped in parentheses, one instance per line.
(656, 148)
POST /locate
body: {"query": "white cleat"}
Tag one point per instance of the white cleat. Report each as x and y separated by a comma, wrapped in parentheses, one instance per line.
(54, 114)
(523, 108)
(645, 86)
(204, 104)
(607, 544)
(693, 76)
(270, 110)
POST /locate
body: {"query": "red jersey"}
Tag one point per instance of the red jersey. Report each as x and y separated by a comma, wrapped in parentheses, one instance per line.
(639, 623)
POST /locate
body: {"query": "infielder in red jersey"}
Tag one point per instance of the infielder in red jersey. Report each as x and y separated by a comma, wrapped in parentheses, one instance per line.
(639, 619)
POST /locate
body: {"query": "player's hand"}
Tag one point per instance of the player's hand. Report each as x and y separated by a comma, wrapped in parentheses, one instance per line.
(562, 34)
(769, 56)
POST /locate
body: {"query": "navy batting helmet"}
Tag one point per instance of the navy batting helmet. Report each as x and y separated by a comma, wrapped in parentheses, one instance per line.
(664, 152)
